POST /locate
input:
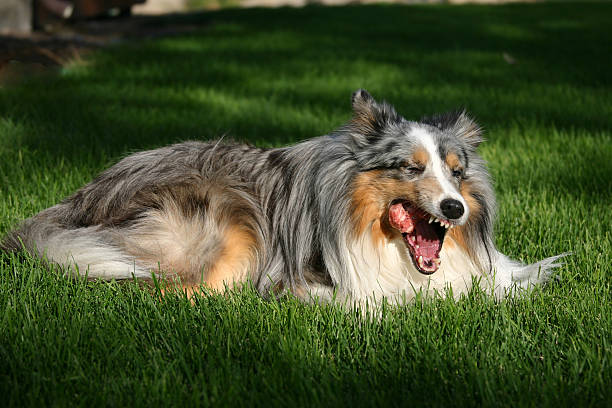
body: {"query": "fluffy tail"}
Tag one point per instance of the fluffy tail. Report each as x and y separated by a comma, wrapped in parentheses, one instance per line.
(89, 251)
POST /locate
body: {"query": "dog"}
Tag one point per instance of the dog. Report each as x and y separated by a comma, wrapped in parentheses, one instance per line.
(382, 207)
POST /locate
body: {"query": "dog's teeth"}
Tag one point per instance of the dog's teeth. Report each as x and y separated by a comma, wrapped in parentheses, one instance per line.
(417, 247)
(438, 221)
(437, 261)
(447, 225)
(431, 219)
(421, 260)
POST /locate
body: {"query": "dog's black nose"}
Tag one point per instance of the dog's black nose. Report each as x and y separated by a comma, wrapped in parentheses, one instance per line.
(452, 209)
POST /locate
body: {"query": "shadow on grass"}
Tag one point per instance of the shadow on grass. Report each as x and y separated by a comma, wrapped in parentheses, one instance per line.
(242, 350)
(276, 76)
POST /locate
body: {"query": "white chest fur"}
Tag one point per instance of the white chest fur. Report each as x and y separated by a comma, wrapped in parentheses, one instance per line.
(387, 271)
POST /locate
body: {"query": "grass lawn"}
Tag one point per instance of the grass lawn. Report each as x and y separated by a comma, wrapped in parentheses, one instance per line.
(273, 77)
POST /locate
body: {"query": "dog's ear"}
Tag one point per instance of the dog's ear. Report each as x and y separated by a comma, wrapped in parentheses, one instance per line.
(370, 117)
(459, 124)
(467, 129)
(363, 104)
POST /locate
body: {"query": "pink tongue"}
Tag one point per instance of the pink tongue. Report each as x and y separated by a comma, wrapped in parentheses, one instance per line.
(399, 218)
(427, 240)
(423, 232)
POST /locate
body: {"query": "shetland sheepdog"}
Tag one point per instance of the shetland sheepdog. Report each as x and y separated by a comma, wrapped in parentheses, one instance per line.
(383, 207)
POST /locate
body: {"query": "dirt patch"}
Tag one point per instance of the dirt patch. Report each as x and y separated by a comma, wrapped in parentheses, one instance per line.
(23, 55)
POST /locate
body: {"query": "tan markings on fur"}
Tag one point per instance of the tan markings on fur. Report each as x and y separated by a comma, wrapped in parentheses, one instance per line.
(370, 200)
(378, 234)
(454, 238)
(449, 240)
(233, 263)
(429, 187)
(299, 291)
(456, 234)
(366, 205)
(452, 160)
(169, 239)
(466, 191)
(190, 247)
(420, 156)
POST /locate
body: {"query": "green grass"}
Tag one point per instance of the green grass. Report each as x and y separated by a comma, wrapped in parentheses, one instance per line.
(273, 77)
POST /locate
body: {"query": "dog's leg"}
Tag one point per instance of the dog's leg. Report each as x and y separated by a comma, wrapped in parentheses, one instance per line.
(315, 293)
(510, 275)
(193, 250)
(235, 260)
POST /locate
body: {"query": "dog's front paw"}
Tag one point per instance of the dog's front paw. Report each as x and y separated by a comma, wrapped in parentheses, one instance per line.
(539, 272)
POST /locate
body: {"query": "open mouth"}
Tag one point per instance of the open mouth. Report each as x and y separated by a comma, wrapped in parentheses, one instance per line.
(423, 234)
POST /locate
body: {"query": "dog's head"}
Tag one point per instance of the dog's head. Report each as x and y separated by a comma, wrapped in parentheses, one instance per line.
(414, 178)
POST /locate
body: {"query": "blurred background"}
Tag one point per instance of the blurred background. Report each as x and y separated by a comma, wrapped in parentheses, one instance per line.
(24, 16)
(39, 35)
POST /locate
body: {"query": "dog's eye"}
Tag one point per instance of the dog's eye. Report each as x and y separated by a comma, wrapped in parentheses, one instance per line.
(413, 170)
(458, 173)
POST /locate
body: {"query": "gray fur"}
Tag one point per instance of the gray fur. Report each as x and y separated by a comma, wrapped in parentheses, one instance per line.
(295, 200)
